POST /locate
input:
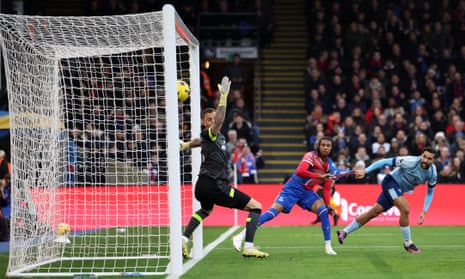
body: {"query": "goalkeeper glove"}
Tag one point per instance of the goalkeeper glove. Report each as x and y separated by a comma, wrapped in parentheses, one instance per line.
(224, 90)
(184, 145)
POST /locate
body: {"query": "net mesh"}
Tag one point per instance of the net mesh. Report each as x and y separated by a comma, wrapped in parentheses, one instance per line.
(89, 139)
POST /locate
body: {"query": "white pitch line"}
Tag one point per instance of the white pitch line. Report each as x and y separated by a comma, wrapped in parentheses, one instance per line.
(350, 247)
(191, 263)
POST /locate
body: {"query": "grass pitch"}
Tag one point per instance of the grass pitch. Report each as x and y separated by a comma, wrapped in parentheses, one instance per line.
(298, 252)
(371, 252)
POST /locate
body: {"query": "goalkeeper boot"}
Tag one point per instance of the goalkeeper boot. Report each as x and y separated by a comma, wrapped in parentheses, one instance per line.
(341, 236)
(237, 240)
(254, 252)
(412, 248)
(185, 250)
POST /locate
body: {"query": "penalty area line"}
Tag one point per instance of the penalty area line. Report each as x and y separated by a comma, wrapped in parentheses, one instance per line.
(191, 263)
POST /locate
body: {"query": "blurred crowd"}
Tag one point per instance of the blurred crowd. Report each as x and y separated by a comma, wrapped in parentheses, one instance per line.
(386, 78)
(189, 11)
(5, 197)
(239, 127)
(115, 112)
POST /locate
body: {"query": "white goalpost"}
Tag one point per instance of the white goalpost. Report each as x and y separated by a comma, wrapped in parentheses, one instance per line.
(95, 123)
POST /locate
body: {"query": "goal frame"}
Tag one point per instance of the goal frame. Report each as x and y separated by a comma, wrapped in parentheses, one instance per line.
(173, 29)
(173, 25)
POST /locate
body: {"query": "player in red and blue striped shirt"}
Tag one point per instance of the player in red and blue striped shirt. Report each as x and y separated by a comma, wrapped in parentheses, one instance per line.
(316, 168)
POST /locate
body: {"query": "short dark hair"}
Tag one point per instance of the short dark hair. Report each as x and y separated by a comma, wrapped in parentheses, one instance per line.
(429, 149)
(205, 111)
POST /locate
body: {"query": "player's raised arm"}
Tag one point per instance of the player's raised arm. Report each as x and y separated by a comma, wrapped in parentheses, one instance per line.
(380, 163)
(221, 109)
(361, 172)
(337, 172)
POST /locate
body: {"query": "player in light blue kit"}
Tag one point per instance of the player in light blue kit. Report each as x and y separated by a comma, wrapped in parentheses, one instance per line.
(409, 172)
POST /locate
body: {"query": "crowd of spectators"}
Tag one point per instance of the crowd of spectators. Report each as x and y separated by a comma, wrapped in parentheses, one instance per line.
(115, 112)
(386, 78)
(114, 108)
(246, 156)
(242, 133)
(262, 24)
(5, 196)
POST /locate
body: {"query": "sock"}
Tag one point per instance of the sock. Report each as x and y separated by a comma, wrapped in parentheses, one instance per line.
(194, 222)
(406, 234)
(325, 225)
(328, 244)
(248, 245)
(352, 227)
(251, 225)
(267, 216)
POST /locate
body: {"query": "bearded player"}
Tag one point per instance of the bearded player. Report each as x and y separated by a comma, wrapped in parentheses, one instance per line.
(409, 172)
(316, 168)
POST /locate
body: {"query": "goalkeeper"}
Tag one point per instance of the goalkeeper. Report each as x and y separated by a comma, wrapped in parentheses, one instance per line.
(212, 187)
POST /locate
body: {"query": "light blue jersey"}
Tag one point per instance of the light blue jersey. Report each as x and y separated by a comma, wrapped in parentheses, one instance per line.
(406, 176)
(408, 172)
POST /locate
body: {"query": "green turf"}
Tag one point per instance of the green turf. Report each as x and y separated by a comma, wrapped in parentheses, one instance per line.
(371, 252)
(298, 252)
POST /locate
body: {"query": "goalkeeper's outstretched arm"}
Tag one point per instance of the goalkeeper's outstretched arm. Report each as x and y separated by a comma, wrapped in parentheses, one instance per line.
(223, 88)
(195, 142)
(219, 116)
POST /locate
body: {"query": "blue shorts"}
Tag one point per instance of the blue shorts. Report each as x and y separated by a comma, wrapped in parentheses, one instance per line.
(391, 191)
(294, 193)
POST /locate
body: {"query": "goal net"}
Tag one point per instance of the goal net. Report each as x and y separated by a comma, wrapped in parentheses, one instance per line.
(95, 122)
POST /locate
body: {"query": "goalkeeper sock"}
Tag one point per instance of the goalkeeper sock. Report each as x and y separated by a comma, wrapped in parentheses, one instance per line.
(251, 225)
(267, 216)
(194, 222)
(325, 225)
